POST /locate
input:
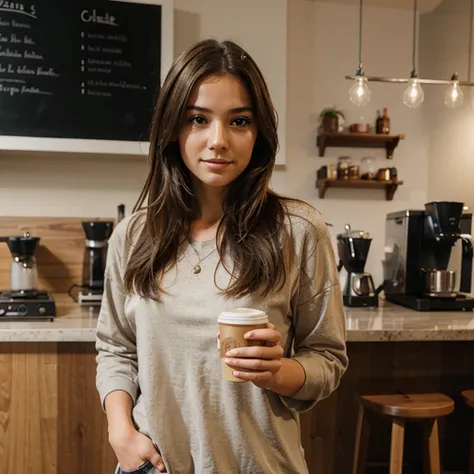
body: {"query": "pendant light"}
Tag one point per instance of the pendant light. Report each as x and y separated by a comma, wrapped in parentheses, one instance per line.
(413, 96)
(360, 93)
(454, 96)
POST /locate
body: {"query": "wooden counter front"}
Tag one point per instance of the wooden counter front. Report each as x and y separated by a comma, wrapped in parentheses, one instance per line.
(328, 431)
(51, 421)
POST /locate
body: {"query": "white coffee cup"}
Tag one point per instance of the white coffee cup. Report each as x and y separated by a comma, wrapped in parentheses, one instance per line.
(233, 325)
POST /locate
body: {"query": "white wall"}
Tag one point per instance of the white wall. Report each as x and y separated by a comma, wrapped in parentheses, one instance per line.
(321, 42)
(444, 47)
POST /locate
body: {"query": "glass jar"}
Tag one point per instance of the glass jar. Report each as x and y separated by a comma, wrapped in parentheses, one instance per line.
(368, 169)
(343, 164)
(354, 172)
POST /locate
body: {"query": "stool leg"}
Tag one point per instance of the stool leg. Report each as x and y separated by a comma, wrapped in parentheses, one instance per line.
(396, 450)
(432, 464)
(361, 443)
(471, 456)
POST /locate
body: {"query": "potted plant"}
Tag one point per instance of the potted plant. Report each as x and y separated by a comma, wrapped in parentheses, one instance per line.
(331, 119)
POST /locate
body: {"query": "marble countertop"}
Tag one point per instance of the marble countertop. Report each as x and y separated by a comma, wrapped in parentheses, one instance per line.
(391, 322)
(386, 323)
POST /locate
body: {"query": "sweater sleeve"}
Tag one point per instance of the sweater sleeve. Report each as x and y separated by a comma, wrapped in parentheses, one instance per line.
(117, 361)
(318, 321)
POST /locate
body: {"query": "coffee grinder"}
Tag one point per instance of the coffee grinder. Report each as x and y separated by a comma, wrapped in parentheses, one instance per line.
(23, 300)
(418, 254)
(94, 261)
(353, 250)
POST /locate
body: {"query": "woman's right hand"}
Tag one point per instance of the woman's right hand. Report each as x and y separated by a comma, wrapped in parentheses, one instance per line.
(133, 448)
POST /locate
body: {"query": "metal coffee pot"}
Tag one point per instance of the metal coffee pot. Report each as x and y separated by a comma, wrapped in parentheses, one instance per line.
(23, 270)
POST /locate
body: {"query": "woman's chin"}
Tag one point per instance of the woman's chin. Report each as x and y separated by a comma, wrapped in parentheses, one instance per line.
(215, 181)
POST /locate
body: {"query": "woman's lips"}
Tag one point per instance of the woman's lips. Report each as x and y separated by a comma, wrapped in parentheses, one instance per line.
(217, 164)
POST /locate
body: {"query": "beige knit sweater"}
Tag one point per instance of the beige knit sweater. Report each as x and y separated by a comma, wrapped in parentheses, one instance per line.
(165, 356)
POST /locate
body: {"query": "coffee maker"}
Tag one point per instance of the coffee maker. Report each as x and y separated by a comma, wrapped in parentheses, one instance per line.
(94, 261)
(353, 250)
(418, 253)
(23, 300)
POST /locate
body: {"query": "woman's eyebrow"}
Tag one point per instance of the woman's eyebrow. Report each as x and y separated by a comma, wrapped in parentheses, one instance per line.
(237, 110)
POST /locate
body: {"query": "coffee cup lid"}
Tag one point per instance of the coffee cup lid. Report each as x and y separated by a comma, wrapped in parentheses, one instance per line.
(243, 316)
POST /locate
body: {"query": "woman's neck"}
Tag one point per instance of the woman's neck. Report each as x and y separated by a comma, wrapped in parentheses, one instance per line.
(209, 201)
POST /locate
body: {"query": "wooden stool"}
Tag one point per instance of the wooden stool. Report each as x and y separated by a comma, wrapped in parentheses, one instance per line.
(469, 399)
(401, 408)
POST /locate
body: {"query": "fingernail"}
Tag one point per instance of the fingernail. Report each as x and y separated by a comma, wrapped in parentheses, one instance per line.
(226, 360)
(248, 335)
(231, 353)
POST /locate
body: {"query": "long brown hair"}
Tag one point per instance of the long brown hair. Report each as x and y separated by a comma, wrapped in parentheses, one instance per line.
(253, 226)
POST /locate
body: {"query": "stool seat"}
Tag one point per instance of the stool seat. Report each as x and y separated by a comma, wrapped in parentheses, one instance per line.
(421, 406)
(426, 408)
(468, 397)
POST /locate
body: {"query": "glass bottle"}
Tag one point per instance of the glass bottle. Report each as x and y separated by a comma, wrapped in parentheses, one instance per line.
(385, 122)
(378, 123)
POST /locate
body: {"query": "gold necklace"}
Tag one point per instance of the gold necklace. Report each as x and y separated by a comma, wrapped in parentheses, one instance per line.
(197, 268)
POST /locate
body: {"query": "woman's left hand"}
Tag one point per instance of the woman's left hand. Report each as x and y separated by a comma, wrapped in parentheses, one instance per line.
(262, 361)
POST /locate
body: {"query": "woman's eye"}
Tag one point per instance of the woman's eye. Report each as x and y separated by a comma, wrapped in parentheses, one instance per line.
(241, 121)
(198, 120)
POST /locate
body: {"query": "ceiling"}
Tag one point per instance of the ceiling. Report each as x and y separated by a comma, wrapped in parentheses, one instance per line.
(424, 6)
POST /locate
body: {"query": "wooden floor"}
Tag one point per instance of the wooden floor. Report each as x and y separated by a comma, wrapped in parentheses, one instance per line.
(51, 421)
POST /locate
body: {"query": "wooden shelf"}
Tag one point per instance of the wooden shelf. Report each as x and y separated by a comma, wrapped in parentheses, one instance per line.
(358, 140)
(389, 186)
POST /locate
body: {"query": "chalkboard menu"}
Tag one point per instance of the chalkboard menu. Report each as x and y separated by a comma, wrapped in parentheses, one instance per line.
(86, 69)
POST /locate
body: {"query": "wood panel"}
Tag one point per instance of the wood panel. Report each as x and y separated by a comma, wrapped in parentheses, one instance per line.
(60, 253)
(86, 446)
(28, 408)
(51, 421)
(389, 367)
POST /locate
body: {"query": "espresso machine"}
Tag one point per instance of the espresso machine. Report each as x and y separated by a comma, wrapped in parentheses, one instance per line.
(419, 248)
(353, 250)
(23, 300)
(94, 260)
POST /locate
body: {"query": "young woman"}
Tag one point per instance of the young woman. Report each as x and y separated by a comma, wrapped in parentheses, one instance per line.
(213, 236)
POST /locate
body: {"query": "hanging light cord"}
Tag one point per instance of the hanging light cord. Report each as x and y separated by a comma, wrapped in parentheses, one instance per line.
(415, 9)
(469, 64)
(361, 9)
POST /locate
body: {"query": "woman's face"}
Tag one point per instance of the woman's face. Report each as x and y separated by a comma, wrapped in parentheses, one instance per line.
(218, 136)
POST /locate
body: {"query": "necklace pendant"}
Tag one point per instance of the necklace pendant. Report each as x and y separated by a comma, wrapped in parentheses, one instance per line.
(197, 269)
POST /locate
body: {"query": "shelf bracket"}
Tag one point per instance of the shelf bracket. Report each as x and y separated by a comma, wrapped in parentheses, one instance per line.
(390, 148)
(321, 142)
(390, 191)
(322, 187)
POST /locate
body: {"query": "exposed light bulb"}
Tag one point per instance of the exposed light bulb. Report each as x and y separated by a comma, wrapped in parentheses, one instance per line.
(413, 96)
(454, 96)
(360, 93)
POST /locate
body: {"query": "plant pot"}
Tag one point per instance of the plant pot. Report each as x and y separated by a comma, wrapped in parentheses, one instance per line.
(330, 124)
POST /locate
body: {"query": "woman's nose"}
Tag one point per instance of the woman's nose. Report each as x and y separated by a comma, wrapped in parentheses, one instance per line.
(218, 137)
